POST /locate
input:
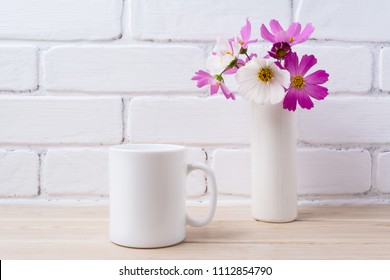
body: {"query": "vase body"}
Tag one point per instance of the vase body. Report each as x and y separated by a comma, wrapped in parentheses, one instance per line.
(273, 163)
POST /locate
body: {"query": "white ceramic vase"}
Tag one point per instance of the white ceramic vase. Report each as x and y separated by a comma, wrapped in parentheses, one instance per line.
(273, 163)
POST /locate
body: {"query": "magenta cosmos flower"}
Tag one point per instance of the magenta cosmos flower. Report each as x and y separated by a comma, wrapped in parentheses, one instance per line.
(280, 50)
(303, 86)
(245, 35)
(203, 78)
(292, 35)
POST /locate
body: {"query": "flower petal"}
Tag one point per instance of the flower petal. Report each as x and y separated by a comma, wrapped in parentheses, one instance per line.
(282, 77)
(226, 92)
(277, 63)
(275, 26)
(248, 72)
(307, 62)
(291, 63)
(247, 82)
(294, 29)
(304, 100)
(222, 46)
(252, 55)
(261, 63)
(235, 48)
(260, 96)
(283, 36)
(249, 85)
(252, 41)
(214, 89)
(231, 71)
(249, 90)
(246, 31)
(271, 54)
(251, 79)
(316, 91)
(304, 36)
(290, 100)
(201, 74)
(202, 82)
(203, 78)
(266, 35)
(318, 77)
(213, 64)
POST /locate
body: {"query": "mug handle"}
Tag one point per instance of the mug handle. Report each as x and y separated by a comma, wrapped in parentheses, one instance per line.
(213, 203)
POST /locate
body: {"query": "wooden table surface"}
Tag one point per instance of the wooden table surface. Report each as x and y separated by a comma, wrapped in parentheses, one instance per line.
(81, 232)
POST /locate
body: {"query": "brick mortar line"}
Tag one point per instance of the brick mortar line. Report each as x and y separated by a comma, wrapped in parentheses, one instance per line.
(41, 190)
(125, 119)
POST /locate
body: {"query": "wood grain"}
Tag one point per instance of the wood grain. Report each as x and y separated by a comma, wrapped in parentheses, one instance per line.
(67, 232)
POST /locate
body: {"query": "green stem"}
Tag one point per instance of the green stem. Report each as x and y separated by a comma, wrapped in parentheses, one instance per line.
(230, 66)
(227, 68)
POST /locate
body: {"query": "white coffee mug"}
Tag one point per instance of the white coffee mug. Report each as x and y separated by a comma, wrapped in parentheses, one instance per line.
(147, 194)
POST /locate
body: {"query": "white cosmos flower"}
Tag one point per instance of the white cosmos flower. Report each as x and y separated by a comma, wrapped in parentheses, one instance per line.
(223, 54)
(260, 80)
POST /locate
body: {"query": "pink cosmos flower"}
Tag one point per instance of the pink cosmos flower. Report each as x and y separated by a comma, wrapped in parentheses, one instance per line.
(292, 35)
(245, 35)
(303, 86)
(203, 78)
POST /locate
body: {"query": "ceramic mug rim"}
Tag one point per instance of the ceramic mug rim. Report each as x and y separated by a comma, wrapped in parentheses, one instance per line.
(147, 148)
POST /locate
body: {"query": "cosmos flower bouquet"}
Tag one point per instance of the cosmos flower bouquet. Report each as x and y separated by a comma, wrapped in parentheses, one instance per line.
(278, 77)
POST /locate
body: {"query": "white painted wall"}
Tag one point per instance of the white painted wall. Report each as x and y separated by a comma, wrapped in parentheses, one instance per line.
(77, 76)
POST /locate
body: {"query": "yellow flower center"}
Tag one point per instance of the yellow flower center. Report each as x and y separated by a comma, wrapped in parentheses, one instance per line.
(291, 39)
(298, 81)
(280, 53)
(265, 75)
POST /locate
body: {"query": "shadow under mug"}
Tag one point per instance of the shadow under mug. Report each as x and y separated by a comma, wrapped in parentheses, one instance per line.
(147, 194)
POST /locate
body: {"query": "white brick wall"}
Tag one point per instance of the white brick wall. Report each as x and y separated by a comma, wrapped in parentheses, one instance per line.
(381, 172)
(333, 60)
(77, 76)
(75, 172)
(201, 19)
(384, 74)
(353, 120)
(60, 19)
(19, 173)
(18, 68)
(59, 120)
(122, 69)
(324, 171)
(189, 120)
(356, 20)
(232, 169)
